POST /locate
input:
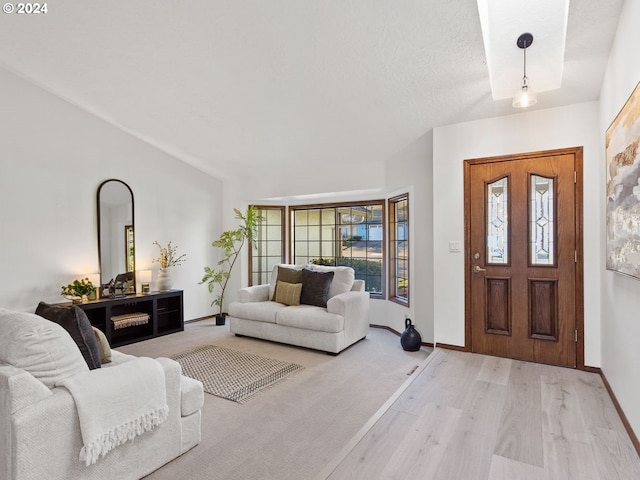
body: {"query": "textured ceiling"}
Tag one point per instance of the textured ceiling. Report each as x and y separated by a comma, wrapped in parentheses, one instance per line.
(224, 85)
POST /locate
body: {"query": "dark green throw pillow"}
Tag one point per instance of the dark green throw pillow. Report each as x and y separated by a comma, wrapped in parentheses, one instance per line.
(315, 287)
(74, 321)
(287, 275)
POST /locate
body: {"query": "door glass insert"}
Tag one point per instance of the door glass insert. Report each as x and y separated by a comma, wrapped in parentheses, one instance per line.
(498, 222)
(542, 221)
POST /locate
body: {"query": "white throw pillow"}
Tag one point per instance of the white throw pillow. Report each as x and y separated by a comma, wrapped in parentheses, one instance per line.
(40, 347)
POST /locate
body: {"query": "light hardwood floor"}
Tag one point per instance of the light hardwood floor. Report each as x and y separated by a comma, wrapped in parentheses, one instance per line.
(467, 416)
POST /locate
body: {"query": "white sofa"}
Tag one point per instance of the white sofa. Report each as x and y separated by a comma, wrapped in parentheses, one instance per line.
(40, 429)
(343, 322)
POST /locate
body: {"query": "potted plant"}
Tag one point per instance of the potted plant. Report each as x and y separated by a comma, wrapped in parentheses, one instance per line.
(80, 291)
(231, 241)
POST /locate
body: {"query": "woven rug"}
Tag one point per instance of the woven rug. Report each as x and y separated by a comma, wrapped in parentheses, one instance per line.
(231, 374)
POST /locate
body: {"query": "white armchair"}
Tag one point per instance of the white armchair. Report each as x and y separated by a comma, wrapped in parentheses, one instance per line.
(40, 426)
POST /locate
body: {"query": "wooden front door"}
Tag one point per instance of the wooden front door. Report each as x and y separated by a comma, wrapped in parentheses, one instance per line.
(523, 225)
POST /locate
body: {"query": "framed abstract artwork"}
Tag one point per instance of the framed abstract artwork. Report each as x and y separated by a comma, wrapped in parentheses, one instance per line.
(622, 144)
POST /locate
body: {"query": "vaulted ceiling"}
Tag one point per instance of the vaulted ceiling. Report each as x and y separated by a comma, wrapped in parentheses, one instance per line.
(226, 85)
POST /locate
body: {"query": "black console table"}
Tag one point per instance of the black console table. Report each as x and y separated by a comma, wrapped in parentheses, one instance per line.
(165, 310)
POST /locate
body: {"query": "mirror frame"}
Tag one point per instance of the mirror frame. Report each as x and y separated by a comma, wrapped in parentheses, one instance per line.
(133, 223)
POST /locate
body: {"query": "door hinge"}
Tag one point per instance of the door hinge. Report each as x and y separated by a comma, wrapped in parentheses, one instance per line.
(576, 335)
(575, 177)
(575, 256)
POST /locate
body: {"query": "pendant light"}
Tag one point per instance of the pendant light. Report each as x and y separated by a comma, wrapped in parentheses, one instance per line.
(524, 98)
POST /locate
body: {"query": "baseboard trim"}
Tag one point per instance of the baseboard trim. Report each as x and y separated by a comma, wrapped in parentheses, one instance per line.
(447, 346)
(587, 368)
(395, 332)
(623, 417)
(193, 320)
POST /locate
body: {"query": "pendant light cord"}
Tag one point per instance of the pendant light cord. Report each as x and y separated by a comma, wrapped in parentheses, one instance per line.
(524, 79)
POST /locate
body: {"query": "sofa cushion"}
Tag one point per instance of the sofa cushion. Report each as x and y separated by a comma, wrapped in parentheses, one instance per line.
(288, 293)
(311, 318)
(315, 287)
(103, 344)
(343, 278)
(74, 321)
(40, 347)
(259, 311)
(289, 274)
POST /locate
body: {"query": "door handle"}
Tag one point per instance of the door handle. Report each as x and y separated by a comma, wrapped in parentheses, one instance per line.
(477, 269)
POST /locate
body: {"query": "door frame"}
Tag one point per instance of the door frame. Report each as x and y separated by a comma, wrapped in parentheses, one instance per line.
(577, 152)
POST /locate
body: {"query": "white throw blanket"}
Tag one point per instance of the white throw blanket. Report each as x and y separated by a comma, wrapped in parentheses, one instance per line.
(117, 403)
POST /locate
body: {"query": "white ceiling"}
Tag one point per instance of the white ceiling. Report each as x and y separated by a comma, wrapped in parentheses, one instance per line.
(226, 85)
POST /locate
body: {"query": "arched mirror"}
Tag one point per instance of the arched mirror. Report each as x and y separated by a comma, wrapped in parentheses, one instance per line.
(116, 235)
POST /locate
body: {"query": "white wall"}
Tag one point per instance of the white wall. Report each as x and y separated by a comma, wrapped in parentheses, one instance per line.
(414, 166)
(620, 294)
(572, 126)
(54, 157)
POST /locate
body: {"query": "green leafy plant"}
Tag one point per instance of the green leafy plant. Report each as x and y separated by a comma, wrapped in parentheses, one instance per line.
(327, 262)
(79, 288)
(369, 270)
(231, 241)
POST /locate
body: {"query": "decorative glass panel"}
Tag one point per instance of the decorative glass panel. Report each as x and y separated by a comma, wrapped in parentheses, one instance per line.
(541, 218)
(498, 222)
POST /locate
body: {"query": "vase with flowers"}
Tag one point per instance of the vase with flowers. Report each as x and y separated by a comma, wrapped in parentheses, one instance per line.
(80, 291)
(168, 258)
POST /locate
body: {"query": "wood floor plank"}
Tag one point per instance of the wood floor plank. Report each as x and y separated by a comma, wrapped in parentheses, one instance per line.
(520, 431)
(561, 409)
(483, 407)
(506, 469)
(614, 455)
(418, 393)
(598, 410)
(469, 458)
(424, 445)
(569, 459)
(446, 378)
(373, 452)
(495, 370)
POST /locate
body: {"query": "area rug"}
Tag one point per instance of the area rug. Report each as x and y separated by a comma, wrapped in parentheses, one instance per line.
(230, 374)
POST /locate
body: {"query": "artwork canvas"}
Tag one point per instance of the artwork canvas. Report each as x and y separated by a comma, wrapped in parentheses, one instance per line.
(622, 141)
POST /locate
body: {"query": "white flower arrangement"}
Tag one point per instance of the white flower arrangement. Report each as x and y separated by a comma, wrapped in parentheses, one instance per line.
(168, 256)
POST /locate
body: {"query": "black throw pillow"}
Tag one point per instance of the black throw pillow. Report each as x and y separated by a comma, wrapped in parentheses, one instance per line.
(315, 287)
(74, 321)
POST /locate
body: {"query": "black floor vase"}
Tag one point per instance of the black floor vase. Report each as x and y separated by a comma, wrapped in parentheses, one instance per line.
(410, 338)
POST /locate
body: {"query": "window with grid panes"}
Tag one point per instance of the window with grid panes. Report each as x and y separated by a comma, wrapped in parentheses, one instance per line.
(268, 248)
(349, 234)
(399, 249)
